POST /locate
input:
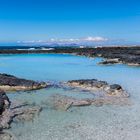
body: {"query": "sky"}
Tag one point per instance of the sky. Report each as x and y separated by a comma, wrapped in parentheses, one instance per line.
(37, 21)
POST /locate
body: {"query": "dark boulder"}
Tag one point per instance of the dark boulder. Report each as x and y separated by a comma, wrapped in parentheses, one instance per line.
(9, 82)
(115, 87)
(4, 101)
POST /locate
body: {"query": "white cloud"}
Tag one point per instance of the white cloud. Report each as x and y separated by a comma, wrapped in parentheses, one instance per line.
(90, 39)
(95, 39)
(66, 40)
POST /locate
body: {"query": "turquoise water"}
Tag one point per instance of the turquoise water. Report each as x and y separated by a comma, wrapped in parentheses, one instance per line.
(88, 123)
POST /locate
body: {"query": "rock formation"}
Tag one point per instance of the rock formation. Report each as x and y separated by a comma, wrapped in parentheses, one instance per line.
(107, 90)
(18, 111)
(12, 83)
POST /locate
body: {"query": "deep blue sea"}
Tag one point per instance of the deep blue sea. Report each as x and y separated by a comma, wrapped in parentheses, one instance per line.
(108, 122)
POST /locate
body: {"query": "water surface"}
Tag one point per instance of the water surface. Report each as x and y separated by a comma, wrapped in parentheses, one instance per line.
(88, 123)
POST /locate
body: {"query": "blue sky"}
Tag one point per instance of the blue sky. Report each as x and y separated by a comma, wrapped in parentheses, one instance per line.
(27, 20)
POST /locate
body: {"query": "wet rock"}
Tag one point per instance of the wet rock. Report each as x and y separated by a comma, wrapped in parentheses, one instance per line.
(19, 111)
(16, 111)
(6, 119)
(9, 83)
(4, 102)
(115, 87)
(116, 90)
(92, 85)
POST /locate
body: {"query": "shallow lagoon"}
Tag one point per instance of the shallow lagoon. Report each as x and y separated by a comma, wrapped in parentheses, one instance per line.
(82, 123)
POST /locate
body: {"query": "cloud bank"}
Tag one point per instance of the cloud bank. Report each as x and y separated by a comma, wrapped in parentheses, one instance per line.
(83, 41)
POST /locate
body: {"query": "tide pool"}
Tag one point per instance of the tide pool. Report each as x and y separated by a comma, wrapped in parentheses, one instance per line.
(80, 123)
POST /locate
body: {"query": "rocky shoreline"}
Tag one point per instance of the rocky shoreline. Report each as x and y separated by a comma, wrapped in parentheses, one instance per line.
(12, 83)
(22, 111)
(104, 94)
(16, 111)
(117, 55)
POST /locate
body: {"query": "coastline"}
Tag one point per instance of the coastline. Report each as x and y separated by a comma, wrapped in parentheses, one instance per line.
(123, 55)
(71, 103)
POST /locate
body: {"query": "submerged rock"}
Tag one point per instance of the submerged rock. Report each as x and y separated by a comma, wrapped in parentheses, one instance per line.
(27, 114)
(114, 90)
(20, 112)
(63, 102)
(9, 83)
(6, 136)
(15, 111)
